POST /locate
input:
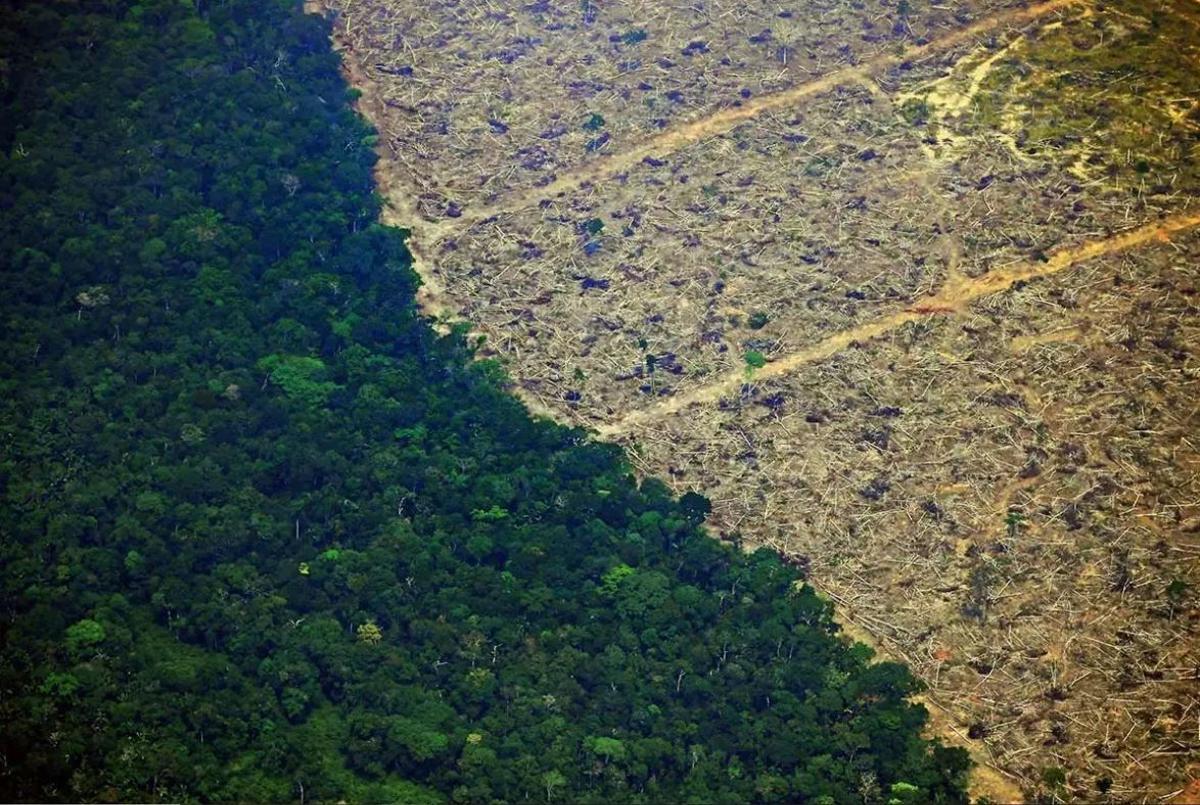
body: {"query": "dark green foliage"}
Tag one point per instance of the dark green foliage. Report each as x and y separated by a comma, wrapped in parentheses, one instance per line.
(1054, 777)
(264, 536)
(916, 112)
(758, 320)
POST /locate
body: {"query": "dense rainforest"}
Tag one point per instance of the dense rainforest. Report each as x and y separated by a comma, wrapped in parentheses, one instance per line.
(266, 536)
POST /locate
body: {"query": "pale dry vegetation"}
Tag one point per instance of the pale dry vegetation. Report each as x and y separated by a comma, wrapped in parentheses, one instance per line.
(484, 98)
(696, 258)
(966, 282)
(1007, 500)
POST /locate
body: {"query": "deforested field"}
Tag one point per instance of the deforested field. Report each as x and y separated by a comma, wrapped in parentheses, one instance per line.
(910, 289)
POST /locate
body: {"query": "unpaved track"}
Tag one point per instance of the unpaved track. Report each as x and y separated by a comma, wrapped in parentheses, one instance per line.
(954, 297)
(726, 119)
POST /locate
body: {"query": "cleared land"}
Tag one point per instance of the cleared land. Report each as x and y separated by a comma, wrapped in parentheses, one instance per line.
(910, 289)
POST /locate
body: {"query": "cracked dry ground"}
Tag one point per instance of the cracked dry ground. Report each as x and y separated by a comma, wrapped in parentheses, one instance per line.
(965, 240)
